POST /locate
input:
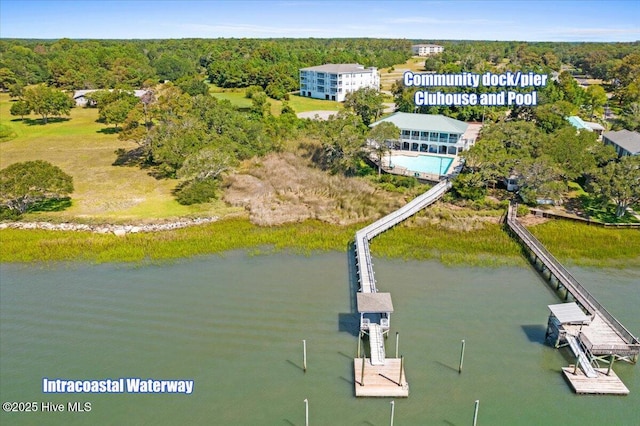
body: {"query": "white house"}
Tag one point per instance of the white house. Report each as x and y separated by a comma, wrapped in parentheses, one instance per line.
(435, 134)
(333, 81)
(426, 49)
(624, 141)
(80, 96)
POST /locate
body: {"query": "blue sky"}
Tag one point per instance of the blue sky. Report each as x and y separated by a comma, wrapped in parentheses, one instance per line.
(550, 20)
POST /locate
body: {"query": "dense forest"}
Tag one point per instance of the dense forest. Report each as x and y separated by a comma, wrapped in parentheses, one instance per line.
(273, 64)
(100, 64)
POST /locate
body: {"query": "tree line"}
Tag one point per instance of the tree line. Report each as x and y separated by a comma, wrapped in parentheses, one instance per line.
(105, 64)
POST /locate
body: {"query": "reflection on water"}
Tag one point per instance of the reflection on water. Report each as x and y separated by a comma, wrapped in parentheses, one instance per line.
(234, 325)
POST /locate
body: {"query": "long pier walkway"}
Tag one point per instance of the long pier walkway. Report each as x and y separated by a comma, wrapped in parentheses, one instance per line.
(378, 375)
(363, 236)
(593, 334)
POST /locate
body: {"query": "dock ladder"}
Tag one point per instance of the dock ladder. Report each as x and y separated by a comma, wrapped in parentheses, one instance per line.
(585, 361)
(376, 343)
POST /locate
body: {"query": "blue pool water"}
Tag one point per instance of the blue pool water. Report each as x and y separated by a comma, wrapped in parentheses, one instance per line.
(423, 163)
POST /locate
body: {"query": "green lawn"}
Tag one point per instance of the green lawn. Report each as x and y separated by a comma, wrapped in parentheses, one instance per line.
(297, 102)
(237, 99)
(103, 192)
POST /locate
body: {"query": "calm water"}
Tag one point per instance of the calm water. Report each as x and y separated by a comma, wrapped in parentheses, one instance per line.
(234, 324)
(433, 164)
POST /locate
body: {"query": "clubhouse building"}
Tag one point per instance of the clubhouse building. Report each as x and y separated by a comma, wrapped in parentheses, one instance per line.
(435, 134)
(332, 82)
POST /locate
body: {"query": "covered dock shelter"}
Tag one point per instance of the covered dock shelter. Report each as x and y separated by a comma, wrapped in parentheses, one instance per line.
(374, 308)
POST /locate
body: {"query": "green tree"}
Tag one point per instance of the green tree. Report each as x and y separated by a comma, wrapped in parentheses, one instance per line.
(20, 108)
(488, 158)
(470, 186)
(378, 136)
(596, 98)
(7, 79)
(133, 129)
(193, 85)
(259, 104)
(24, 184)
(551, 117)
(46, 101)
(574, 152)
(630, 118)
(16, 90)
(342, 144)
(619, 181)
(115, 112)
(206, 164)
(540, 179)
(172, 68)
(366, 103)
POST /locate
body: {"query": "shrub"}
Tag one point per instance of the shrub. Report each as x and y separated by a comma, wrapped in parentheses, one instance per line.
(469, 186)
(196, 192)
(6, 133)
(252, 90)
(8, 214)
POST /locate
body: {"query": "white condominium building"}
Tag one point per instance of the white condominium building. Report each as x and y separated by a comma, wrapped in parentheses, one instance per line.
(426, 49)
(333, 81)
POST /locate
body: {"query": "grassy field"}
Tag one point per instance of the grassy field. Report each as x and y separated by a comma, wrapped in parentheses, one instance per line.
(103, 192)
(388, 76)
(297, 102)
(586, 245)
(487, 247)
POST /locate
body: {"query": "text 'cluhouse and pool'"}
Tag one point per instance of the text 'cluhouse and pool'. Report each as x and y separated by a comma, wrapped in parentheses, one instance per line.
(507, 80)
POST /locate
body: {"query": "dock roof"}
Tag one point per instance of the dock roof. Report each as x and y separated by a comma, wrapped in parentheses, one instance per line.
(374, 303)
(569, 313)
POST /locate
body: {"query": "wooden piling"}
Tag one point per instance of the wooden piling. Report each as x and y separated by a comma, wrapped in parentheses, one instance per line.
(393, 411)
(359, 343)
(362, 372)
(461, 358)
(304, 355)
(611, 359)
(475, 412)
(401, 370)
(306, 412)
(397, 338)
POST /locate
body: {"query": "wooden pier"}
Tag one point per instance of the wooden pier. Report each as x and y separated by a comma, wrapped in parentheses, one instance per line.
(592, 333)
(383, 377)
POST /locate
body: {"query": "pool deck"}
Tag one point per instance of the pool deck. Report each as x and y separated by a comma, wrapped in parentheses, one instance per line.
(431, 177)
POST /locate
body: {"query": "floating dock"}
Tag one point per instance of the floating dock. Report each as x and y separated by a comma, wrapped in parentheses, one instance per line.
(387, 380)
(603, 384)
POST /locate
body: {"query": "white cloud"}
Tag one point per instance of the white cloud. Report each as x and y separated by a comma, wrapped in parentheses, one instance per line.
(436, 21)
(248, 30)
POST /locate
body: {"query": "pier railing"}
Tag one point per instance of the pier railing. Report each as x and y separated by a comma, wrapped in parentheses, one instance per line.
(411, 208)
(607, 349)
(363, 236)
(581, 294)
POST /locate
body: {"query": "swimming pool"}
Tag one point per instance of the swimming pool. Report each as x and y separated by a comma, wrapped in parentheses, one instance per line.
(433, 164)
